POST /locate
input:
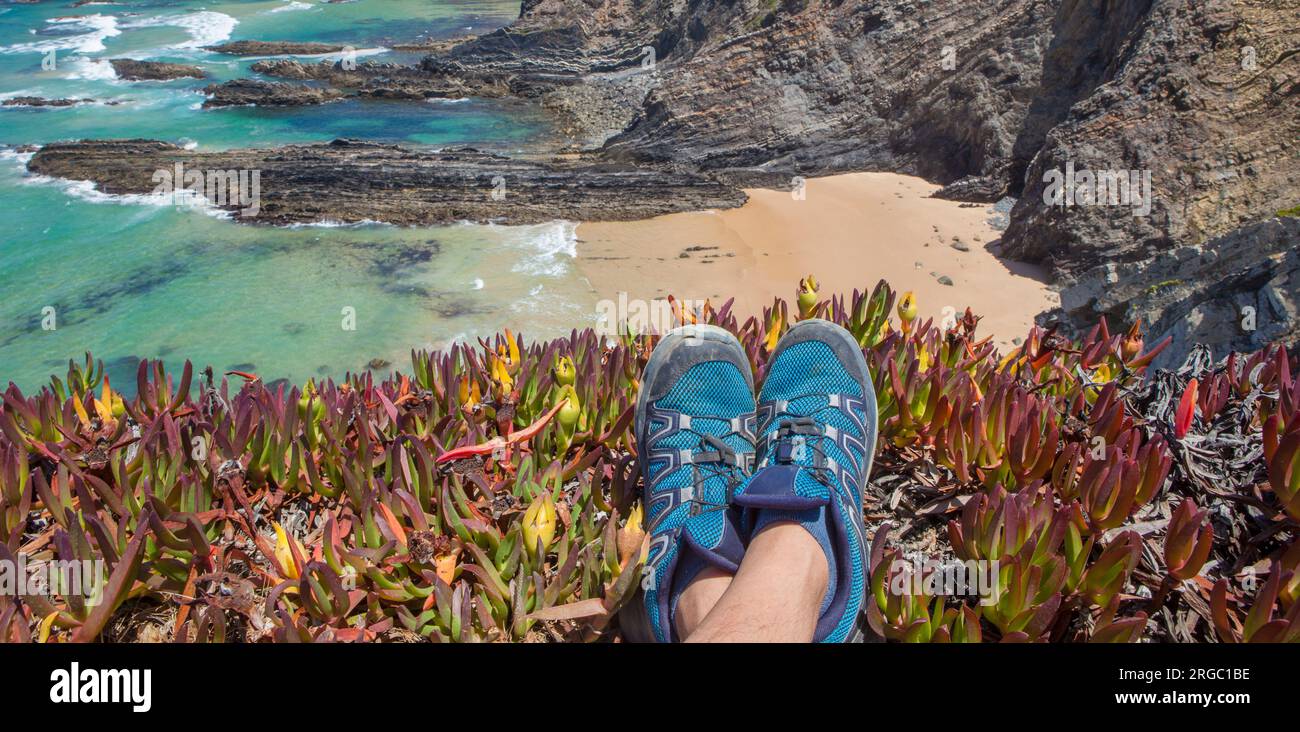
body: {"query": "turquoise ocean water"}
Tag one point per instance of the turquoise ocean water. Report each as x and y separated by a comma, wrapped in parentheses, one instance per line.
(135, 277)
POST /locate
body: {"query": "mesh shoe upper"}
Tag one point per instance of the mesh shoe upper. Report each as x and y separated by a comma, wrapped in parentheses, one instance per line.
(696, 443)
(816, 421)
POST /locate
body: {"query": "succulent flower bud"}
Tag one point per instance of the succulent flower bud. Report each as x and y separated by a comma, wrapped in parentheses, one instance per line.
(572, 409)
(1131, 344)
(907, 310)
(808, 292)
(539, 523)
(563, 371)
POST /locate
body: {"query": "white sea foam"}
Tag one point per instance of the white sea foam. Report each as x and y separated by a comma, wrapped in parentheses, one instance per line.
(97, 27)
(446, 100)
(204, 27)
(9, 155)
(295, 5)
(95, 69)
(332, 224)
(86, 190)
(548, 248)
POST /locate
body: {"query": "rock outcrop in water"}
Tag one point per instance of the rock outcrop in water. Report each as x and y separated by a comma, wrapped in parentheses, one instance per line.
(348, 181)
(395, 81)
(267, 94)
(587, 109)
(276, 48)
(44, 102)
(132, 70)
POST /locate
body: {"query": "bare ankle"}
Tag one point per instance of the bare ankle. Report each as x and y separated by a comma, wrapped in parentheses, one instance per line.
(698, 599)
(790, 543)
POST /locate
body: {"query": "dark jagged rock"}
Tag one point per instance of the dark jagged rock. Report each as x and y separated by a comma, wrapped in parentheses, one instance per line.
(977, 188)
(350, 181)
(267, 94)
(43, 102)
(132, 70)
(1240, 291)
(438, 46)
(276, 48)
(391, 81)
(1205, 98)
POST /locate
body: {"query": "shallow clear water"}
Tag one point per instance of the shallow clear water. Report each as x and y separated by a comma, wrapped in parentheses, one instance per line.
(131, 278)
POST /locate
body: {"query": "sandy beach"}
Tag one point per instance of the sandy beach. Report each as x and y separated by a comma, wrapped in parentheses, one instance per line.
(848, 230)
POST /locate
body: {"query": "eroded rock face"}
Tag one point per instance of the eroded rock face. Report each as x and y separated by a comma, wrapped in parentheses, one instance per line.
(132, 70)
(932, 88)
(1203, 98)
(988, 97)
(267, 94)
(350, 181)
(1239, 291)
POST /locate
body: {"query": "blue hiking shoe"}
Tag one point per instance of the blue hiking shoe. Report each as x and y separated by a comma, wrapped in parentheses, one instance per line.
(816, 438)
(695, 436)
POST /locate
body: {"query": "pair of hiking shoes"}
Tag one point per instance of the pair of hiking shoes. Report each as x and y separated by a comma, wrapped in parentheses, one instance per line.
(718, 467)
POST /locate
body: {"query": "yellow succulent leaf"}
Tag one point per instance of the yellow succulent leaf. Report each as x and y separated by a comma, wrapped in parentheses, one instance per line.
(774, 331)
(283, 554)
(631, 535)
(513, 348)
(445, 567)
(1102, 374)
(47, 623)
(501, 374)
(80, 409)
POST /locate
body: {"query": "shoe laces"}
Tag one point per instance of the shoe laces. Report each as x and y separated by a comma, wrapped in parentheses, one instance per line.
(714, 459)
(796, 432)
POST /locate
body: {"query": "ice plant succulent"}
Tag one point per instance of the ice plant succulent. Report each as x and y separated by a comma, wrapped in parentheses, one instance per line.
(490, 491)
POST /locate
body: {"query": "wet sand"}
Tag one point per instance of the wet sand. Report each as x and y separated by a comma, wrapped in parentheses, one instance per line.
(848, 231)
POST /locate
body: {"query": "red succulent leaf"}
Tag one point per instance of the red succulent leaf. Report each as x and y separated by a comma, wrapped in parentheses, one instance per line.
(1186, 410)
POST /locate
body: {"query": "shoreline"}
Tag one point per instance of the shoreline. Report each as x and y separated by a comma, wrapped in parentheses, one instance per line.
(849, 230)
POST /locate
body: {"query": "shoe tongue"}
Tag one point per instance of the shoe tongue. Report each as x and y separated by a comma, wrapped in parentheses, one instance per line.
(775, 486)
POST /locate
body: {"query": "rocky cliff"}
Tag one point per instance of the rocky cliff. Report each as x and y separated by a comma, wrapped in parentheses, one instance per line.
(1186, 109)
(1202, 98)
(1198, 100)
